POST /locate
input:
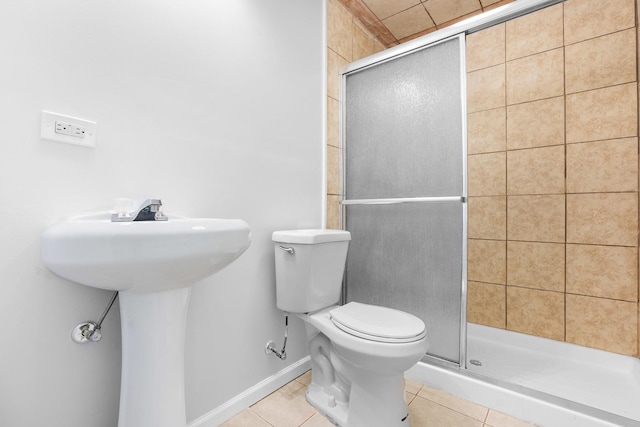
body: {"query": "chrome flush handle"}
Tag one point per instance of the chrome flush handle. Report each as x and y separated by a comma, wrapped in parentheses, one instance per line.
(290, 251)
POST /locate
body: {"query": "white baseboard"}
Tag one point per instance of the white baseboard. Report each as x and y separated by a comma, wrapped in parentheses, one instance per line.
(250, 396)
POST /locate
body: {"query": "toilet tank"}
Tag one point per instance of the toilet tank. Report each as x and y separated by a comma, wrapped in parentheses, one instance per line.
(309, 268)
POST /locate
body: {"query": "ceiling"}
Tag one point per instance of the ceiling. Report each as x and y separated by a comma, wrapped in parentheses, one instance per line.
(397, 21)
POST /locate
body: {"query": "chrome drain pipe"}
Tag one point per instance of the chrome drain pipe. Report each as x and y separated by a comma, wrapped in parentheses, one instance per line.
(271, 345)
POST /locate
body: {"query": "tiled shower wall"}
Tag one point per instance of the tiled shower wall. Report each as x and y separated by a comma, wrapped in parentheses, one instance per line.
(347, 41)
(553, 174)
(553, 169)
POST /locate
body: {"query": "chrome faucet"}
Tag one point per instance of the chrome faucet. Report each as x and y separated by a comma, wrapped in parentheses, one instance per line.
(149, 210)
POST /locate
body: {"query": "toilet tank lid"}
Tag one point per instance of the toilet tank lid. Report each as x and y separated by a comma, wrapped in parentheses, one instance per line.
(311, 236)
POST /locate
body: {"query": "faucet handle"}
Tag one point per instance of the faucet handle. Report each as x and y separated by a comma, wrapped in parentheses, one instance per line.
(149, 210)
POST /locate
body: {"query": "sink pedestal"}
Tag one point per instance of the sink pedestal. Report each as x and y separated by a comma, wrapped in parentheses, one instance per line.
(153, 336)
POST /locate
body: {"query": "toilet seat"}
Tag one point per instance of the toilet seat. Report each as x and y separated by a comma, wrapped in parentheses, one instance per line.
(375, 323)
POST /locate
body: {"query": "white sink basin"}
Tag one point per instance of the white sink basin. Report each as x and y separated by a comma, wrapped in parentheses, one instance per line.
(142, 256)
(153, 265)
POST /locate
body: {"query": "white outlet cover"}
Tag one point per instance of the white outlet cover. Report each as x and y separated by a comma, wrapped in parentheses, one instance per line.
(48, 129)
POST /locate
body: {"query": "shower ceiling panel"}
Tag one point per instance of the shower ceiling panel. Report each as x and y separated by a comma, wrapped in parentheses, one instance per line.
(397, 21)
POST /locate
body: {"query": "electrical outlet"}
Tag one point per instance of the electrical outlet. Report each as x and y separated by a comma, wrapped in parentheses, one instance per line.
(78, 131)
(71, 130)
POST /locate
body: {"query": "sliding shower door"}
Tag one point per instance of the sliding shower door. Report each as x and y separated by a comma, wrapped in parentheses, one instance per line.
(405, 189)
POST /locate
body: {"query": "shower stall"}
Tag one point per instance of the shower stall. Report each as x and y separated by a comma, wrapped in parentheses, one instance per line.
(404, 170)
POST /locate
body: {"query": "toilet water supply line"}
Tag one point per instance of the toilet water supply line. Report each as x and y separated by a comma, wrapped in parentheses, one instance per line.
(90, 331)
(271, 345)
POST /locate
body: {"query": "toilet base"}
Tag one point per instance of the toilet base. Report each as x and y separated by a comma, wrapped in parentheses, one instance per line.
(373, 402)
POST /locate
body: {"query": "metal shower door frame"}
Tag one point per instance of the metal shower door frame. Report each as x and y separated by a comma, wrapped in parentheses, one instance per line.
(462, 198)
(460, 29)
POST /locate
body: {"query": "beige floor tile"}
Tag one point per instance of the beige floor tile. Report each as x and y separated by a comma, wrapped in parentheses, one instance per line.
(305, 378)
(498, 419)
(425, 413)
(286, 407)
(246, 418)
(412, 386)
(465, 407)
(318, 421)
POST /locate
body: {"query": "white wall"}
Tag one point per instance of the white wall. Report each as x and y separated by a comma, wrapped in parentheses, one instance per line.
(215, 107)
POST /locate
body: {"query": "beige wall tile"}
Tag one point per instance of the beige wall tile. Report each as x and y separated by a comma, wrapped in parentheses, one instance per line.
(333, 170)
(486, 131)
(536, 265)
(487, 174)
(362, 43)
(535, 312)
(486, 261)
(486, 304)
(603, 323)
(535, 124)
(334, 62)
(583, 19)
(603, 166)
(603, 271)
(535, 77)
(486, 88)
(604, 61)
(486, 48)
(536, 170)
(600, 114)
(534, 33)
(333, 122)
(487, 218)
(603, 219)
(339, 29)
(333, 212)
(536, 218)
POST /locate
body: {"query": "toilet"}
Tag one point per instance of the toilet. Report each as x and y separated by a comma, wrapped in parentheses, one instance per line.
(359, 352)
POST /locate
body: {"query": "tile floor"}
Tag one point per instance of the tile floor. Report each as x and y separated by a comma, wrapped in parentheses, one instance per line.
(428, 407)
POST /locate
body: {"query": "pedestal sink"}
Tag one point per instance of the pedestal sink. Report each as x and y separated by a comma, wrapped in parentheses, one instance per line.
(153, 265)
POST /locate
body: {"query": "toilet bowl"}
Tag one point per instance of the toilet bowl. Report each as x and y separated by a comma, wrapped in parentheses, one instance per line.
(359, 352)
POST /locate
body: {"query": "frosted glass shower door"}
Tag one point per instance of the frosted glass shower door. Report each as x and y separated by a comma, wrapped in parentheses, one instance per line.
(405, 188)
